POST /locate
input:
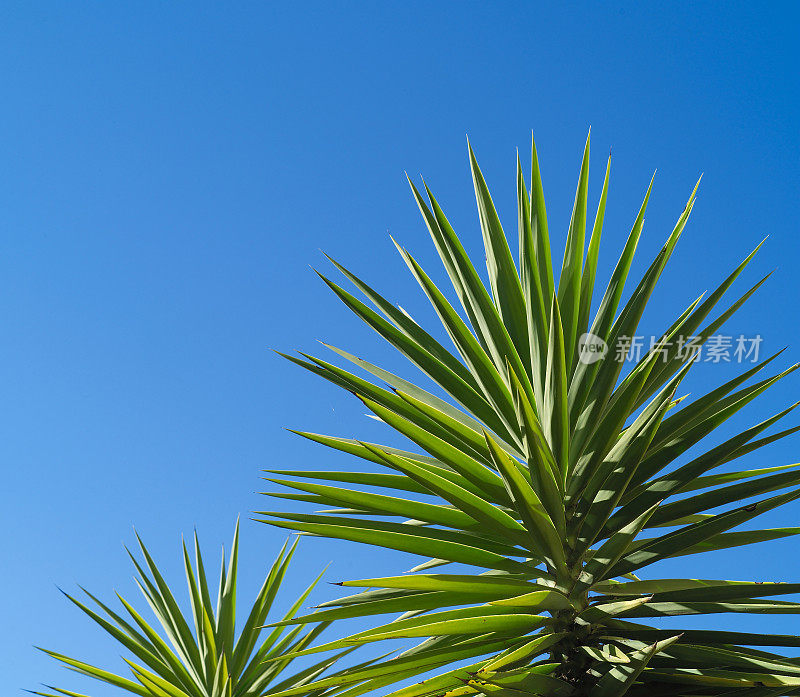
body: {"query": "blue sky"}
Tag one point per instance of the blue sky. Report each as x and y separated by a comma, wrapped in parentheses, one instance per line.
(170, 171)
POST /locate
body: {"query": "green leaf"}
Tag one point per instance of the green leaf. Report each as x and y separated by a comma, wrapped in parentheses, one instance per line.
(555, 414)
(493, 387)
(542, 471)
(503, 277)
(456, 547)
(497, 520)
(532, 288)
(527, 504)
(610, 552)
(481, 312)
(620, 677)
(602, 379)
(585, 373)
(685, 537)
(569, 282)
(592, 254)
(204, 660)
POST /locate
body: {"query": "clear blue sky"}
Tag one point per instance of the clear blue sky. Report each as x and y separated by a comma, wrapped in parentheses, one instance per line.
(170, 170)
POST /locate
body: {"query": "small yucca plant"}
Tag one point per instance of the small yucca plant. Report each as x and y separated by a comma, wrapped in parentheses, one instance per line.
(553, 479)
(202, 655)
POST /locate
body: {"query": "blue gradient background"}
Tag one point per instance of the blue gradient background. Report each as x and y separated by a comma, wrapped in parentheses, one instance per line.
(170, 170)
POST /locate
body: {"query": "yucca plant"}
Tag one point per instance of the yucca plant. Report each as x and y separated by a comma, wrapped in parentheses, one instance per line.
(202, 654)
(551, 479)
